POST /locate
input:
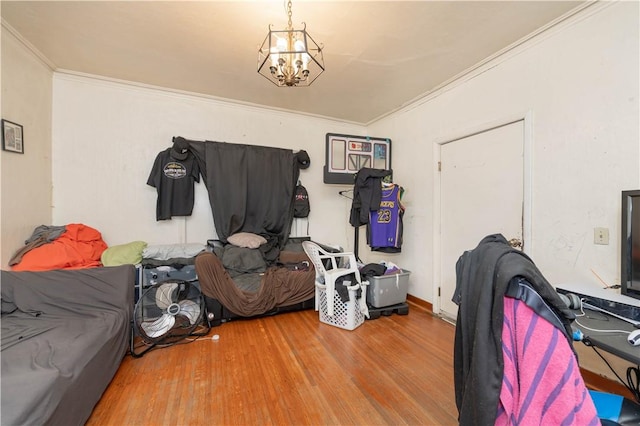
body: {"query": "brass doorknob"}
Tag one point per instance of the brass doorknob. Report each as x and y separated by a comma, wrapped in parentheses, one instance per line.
(515, 243)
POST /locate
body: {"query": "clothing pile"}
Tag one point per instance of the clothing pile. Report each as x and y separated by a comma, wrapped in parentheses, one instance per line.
(72, 246)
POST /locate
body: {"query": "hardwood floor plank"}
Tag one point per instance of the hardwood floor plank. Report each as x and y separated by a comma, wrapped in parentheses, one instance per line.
(292, 369)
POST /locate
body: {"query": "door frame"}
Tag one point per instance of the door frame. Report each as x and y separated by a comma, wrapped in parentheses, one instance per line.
(527, 119)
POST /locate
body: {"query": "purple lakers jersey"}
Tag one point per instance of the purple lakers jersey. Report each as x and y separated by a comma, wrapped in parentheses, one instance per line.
(385, 224)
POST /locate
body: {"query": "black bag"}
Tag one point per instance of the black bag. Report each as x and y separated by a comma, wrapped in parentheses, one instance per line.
(301, 207)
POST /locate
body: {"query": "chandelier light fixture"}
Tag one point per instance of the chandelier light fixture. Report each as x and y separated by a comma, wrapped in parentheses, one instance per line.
(290, 57)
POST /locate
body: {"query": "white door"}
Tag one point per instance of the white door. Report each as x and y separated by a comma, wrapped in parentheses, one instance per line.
(481, 193)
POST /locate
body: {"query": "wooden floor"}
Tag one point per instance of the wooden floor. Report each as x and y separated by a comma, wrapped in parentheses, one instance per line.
(291, 369)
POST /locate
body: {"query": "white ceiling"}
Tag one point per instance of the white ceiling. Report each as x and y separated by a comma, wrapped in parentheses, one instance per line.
(379, 55)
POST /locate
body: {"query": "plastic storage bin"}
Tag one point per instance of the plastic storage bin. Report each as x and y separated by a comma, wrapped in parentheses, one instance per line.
(347, 315)
(387, 290)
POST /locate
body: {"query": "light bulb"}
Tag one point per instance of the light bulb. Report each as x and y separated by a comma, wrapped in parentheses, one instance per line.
(274, 57)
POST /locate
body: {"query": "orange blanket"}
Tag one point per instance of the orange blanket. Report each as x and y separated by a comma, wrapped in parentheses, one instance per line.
(80, 246)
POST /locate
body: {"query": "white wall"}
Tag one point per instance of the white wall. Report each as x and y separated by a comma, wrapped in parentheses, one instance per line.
(580, 83)
(107, 135)
(25, 179)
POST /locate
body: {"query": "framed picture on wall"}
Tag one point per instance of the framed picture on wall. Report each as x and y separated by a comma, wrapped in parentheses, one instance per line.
(12, 137)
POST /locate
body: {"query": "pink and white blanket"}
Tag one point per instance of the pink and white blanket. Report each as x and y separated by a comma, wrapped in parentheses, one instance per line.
(542, 384)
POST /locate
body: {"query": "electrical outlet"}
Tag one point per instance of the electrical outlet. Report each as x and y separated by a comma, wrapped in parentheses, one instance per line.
(601, 236)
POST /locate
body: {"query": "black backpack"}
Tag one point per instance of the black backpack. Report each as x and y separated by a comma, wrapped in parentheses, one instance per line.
(301, 207)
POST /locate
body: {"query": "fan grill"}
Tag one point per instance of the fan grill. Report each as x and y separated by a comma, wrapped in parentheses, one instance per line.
(168, 312)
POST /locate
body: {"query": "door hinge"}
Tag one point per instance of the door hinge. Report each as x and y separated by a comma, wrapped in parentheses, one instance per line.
(439, 166)
(438, 291)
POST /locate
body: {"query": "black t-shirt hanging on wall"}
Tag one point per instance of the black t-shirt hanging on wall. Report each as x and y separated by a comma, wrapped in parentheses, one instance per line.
(174, 178)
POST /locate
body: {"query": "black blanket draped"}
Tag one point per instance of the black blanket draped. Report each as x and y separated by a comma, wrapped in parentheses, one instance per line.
(251, 188)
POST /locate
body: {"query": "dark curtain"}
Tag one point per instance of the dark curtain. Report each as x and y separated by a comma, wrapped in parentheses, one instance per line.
(251, 188)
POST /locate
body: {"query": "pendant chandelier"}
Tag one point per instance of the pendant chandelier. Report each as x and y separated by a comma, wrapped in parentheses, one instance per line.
(290, 57)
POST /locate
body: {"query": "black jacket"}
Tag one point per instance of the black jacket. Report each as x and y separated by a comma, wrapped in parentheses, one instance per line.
(367, 193)
(482, 277)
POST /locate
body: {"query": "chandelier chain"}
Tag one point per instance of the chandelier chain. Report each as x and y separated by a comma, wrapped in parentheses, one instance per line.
(289, 13)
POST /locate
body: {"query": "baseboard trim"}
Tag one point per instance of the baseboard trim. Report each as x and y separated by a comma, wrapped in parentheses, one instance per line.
(420, 303)
(600, 383)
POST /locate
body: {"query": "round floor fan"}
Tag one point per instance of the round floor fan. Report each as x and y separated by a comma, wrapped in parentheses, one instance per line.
(169, 312)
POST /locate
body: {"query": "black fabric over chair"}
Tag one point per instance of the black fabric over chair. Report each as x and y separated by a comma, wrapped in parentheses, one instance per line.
(487, 276)
(482, 279)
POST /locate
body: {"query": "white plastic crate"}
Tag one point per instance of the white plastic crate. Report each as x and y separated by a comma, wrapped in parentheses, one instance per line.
(347, 315)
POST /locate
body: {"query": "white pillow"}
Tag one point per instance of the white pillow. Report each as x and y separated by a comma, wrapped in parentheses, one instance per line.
(172, 251)
(246, 239)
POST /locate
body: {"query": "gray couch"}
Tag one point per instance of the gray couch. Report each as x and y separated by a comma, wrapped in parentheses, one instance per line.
(64, 335)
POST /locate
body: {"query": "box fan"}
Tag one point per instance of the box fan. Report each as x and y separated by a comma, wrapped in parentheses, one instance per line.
(167, 313)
